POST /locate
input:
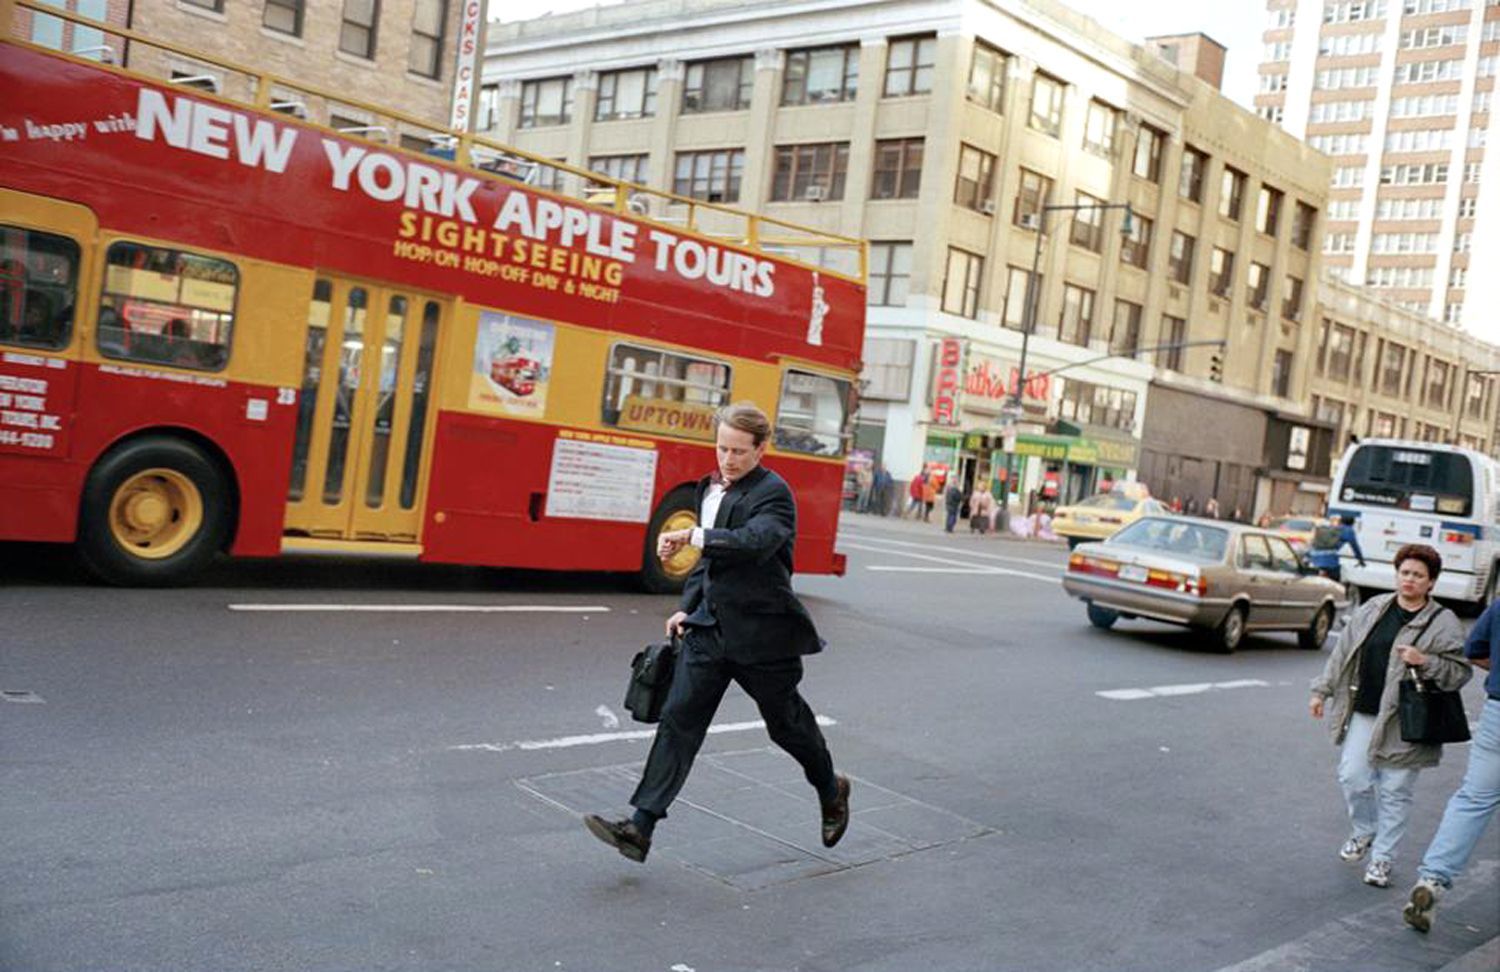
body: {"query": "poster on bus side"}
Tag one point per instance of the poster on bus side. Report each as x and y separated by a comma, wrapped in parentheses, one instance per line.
(512, 365)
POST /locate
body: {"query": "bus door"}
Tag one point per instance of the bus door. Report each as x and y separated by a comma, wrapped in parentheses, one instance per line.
(364, 410)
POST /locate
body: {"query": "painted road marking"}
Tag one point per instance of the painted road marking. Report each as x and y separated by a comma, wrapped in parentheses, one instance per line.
(933, 570)
(594, 739)
(432, 608)
(949, 562)
(869, 538)
(1193, 688)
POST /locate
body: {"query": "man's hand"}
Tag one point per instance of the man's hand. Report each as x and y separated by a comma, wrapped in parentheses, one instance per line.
(1315, 706)
(674, 623)
(667, 544)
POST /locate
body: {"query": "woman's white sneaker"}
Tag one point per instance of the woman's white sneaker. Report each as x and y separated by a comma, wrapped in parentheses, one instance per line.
(1378, 874)
(1355, 848)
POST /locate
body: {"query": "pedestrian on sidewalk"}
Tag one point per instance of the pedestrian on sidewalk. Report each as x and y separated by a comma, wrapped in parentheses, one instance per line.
(881, 495)
(1377, 769)
(929, 496)
(916, 491)
(739, 621)
(953, 501)
(981, 510)
(1473, 805)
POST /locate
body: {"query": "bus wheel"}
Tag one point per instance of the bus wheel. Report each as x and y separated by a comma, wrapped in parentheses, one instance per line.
(676, 512)
(153, 513)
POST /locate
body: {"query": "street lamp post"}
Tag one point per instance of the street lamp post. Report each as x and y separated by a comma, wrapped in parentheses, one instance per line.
(1033, 298)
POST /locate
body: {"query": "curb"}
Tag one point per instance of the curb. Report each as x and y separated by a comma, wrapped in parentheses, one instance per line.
(1484, 958)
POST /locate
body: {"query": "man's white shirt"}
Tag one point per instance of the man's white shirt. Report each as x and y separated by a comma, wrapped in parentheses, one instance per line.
(709, 512)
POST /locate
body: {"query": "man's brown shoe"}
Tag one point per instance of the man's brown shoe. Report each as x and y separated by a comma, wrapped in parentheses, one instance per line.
(622, 835)
(836, 814)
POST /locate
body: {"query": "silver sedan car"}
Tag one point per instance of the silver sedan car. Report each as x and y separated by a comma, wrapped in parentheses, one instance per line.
(1221, 577)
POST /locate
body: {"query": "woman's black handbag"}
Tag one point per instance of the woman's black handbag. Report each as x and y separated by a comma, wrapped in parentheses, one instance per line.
(650, 680)
(1429, 714)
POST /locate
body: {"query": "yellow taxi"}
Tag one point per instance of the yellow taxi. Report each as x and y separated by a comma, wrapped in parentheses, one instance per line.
(1102, 514)
(1298, 530)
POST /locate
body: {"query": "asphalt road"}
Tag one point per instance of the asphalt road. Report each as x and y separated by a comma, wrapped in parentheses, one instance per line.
(200, 779)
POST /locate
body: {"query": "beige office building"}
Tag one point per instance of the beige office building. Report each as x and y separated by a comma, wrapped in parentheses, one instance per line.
(396, 54)
(938, 129)
(1399, 93)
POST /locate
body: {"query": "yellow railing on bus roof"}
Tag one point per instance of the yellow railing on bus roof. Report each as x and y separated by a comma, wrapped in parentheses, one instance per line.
(622, 197)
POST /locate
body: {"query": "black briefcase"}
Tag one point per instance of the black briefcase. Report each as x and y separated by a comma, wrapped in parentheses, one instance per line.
(650, 680)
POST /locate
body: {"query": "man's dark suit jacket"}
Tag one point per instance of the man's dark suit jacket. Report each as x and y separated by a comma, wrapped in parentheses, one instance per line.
(744, 578)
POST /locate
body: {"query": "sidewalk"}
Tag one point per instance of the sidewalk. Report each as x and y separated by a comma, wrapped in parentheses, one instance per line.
(1485, 958)
(934, 528)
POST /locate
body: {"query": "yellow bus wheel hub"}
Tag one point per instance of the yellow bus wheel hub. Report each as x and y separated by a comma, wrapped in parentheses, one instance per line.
(155, 513)
(684, 560)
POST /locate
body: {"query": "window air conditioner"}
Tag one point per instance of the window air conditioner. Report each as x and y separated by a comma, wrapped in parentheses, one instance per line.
(987, 207)
(1030, 221)
(814, 194)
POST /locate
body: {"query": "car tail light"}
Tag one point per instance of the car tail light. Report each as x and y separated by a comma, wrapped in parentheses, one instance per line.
(1181, 583)
(1456, 536)
(1084, 564)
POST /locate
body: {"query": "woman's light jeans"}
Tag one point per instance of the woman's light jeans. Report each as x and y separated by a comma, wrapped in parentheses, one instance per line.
(1379, 798)
(1472, 806)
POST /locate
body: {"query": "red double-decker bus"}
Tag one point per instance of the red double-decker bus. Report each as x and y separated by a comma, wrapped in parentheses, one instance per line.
(227, 329)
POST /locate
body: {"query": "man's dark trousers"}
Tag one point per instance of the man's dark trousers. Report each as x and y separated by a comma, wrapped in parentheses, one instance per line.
(699, 680)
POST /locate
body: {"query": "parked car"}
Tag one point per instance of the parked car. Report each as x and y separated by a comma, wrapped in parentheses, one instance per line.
(1299, 530)
(1102, 514)
(1216, 576)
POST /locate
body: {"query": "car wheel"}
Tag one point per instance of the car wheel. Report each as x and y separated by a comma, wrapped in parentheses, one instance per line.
(1102, 618)
(1231, 631)
(1317, 632)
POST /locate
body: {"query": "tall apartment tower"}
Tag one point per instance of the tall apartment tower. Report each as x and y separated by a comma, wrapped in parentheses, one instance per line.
(1398, 93)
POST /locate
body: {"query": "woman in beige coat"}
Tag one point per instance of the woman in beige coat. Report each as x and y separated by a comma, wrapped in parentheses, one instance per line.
(1377, 768)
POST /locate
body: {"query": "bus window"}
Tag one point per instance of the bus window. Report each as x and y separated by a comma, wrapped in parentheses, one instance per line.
(385, 401)
(344, 393)
(312, 380)
(813, 415)
(421, 384)
(167, 307)
(38, 284)
(1410, 478)
(652, 390)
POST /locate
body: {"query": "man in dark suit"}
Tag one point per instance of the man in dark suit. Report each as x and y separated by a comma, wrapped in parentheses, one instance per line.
(739, 621)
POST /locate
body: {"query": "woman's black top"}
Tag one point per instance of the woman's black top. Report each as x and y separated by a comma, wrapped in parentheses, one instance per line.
(1375, 656)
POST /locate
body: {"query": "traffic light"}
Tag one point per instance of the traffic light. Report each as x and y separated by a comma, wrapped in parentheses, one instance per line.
(1216, 367)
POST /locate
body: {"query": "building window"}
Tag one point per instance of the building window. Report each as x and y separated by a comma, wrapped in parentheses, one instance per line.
(987, 77)
(1190, 179)
(357, 31)
(1291, 302)
(1231, 193)
(626, 94)
(1173, 334)
(712, 176)
(1340, 352)
(961, 283)
(1180, 257)
(890, 274)
(548, 102)
(1032, 195)
(1046, 104)
(1125, 333)
(976, 179)
(1087, 228)
(38, 287)
(1148, 145)
(217, 6)
(1281, 374)
(1304, 218)
(1392, 367)
(626, 168)
(1258, 284)
(1437, 383)
(167, 307)
(908, 66)
(821, 75)
(1077, 321)
(426, 54)
(1017, 293)
(1099, 129)
(1136, 246)
(810, 172)
(720, 85)
(284, 16)
(1268, 211)
(898, 168)
(1220, 272)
